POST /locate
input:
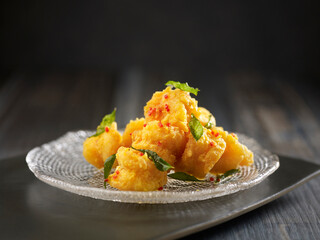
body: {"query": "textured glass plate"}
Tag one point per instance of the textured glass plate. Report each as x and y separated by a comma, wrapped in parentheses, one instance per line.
(60, 163)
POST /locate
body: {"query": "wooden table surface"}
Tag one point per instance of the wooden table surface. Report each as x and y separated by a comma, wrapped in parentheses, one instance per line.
(281, 114)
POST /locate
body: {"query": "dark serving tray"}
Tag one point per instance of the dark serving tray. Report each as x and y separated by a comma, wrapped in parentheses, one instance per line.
(31, 209)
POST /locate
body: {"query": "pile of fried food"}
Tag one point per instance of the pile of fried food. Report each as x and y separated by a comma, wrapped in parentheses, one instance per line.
(175, 135)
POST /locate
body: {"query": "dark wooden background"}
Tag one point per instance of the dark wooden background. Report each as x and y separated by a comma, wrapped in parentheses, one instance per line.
(65, 65)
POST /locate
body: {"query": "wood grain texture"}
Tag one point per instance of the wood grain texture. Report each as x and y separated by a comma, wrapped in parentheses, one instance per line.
(283, 117)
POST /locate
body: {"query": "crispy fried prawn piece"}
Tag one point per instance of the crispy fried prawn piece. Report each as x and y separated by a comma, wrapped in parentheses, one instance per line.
(133, 125)
(200, 156)
(235, 155)
(136, 172)
(171, 106)
(97, 149)
(166, 140)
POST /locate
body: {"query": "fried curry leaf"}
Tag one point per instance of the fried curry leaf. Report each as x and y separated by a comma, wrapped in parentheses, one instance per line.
(209, 124)
(183, 86)
(195, 127)
(107, 167)
(160, 164)
(106, 122)
(226, 174)
(184, 177)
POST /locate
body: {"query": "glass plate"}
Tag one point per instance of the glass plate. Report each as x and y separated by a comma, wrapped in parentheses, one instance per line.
(61, 164)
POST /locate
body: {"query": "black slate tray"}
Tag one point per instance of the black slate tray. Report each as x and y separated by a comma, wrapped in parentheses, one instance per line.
(31, 209)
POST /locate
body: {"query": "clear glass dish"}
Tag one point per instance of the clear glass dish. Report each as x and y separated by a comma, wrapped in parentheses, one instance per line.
(60, 163)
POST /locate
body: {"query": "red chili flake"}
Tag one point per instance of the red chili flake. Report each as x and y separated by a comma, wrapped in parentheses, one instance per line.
(114, 177)
(160, 110)
(160, 188)
(218, 179)
(117, 172)
(212, 132)
(160, 124)
(166, 106)
(159, 143)
(168, 124)
(166, 96)
(144, 125)
(211, 179)
(212, 144)
(106, 180)
(151, 111)
(130, 134)
(141, 153)
(107, 129)
(217, 134)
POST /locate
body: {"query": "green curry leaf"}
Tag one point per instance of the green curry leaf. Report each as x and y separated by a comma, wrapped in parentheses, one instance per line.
(106, 122)
(183, 86)
(184, 177)
(195, 127)
(227, 174)
(209, 124)
(107, 167)
(160, 164)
